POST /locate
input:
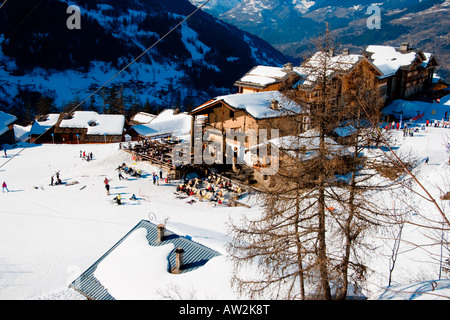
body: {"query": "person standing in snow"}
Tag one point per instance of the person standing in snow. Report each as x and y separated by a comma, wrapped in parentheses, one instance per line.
(426, 160)
(154, 178)
(4, 187)
(160, 173)
(120, 175)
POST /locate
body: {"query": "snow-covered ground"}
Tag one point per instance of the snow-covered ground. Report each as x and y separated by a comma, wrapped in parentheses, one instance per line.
(50, 234)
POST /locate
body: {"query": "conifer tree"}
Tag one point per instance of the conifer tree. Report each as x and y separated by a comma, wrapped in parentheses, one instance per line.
(306, 243)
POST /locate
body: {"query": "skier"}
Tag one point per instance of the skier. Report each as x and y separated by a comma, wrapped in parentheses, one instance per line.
(4, 187)
(107, 189)
(154, 178)
(51, 181)
(120, 175)
(426, 160)
(133, 197)
(160, 173)
(106, 180)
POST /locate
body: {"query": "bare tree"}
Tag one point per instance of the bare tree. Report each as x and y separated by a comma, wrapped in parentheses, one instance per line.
(312, 237)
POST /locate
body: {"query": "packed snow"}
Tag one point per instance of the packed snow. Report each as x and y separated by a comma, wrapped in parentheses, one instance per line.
(51, 234)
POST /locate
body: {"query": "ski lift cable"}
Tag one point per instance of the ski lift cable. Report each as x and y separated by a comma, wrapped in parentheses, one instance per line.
(22, 21)
(119, 72)
(1, 5)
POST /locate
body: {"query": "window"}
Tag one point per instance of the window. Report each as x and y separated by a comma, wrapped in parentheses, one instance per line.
(231, 114)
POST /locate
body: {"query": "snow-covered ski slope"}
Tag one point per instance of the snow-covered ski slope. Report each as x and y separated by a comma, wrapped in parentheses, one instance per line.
(50, 234)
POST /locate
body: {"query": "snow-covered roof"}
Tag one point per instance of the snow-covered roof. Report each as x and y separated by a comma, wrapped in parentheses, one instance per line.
(5, 120)
(166, 123)
(138, 265)
(96, 124)
(263, 76)
(143, 117)
(389, 59)
(308, 141)
(313, 68)
(257, 104)
(44, 123)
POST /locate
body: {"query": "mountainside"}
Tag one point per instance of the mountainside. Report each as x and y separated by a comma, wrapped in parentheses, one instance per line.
(291, 25)
(41, 57)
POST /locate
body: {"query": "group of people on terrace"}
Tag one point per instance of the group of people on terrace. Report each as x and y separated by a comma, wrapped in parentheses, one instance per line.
(212, 188)
(153, 149)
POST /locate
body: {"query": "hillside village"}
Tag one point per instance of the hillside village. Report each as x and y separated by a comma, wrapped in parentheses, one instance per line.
(401, 73)
(166, 143)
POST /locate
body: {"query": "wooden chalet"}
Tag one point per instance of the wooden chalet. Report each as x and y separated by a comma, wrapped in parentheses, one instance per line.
(7, 128)
(339, 69)
(266, 78)
(241, 115)
(405, 71)
(78, 127)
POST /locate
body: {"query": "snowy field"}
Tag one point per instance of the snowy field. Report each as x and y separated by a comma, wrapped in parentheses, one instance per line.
(50, 234)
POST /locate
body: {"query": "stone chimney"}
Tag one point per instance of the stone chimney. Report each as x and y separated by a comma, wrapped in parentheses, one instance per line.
(345, 51)
(274, 105)
(288, 67)
(178, 260)
(161, 228)
(331, 52)
(404, 47)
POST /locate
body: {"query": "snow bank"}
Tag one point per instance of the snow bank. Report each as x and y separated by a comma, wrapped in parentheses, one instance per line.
(410, 109)
(426, 290)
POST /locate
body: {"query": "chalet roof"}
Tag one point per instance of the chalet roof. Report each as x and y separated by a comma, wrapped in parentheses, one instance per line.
(143, 117)
(166, 123)
(5, 120)
(96, 124)
(262, 76)
(43, 123)
(313, 68)
(133, 256)
(390, 59)
(308, 141)
(257, 104)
